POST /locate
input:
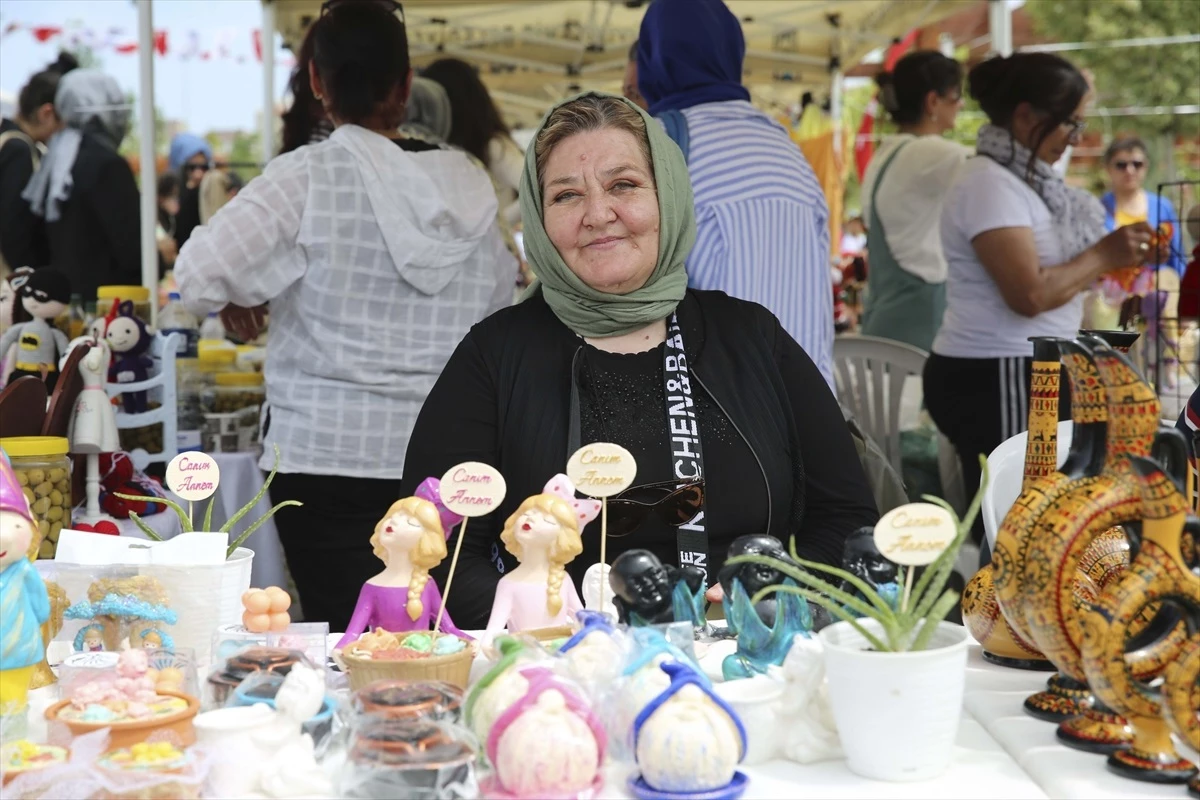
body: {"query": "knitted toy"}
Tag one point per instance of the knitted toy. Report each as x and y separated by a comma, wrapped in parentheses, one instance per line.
(129, 341)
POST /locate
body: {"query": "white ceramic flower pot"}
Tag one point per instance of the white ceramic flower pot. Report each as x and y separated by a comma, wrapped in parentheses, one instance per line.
(757, 701)
(897, 713)
(205, 598)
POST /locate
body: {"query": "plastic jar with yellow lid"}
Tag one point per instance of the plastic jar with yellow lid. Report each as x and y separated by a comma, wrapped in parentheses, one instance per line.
(234, 391)
(43, 470)
(139, 295)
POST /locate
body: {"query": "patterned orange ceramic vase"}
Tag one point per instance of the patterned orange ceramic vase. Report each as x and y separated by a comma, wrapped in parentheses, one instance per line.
(1160, 574)
(980, 606)
(1120, 341)
(1089, 412)
(1076, 521)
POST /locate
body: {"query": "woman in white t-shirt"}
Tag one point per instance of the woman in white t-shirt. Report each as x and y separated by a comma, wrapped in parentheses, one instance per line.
(1020, 247)
(902, 196)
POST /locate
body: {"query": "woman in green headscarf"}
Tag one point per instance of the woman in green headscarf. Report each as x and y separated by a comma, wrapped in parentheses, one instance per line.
(733, 428)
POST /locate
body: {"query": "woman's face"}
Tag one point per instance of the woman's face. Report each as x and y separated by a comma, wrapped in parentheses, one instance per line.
(1027, 122)
(601, 209)
(943, 108)
(400, 533)
(536, 529)
(1127, 170)
(194, 168)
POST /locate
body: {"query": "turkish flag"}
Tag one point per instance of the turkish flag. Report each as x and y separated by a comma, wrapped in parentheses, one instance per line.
(45, 33)
(127, 48)
(160, 42)
(864, 141)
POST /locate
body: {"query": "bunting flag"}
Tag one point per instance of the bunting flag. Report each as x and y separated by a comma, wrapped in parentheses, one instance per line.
(213, 45)
(864, 141)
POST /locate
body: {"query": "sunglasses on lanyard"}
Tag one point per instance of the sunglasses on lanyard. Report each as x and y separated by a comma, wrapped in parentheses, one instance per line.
(388, 5)
(675, 505)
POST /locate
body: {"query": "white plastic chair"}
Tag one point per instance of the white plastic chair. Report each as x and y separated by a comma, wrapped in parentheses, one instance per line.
(1006, 468)
(870, 372)
(161, 387)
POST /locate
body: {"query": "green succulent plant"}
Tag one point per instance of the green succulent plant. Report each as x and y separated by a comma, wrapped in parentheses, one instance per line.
(186, 521)
(905, 627)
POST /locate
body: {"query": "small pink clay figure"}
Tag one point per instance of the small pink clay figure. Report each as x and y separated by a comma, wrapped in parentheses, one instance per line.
(544, 535)
(266, 610)
(411, 540)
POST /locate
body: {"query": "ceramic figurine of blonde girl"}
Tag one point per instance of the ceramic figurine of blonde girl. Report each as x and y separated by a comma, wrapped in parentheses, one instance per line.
(544, 536)
(24, 605)
(410, 540)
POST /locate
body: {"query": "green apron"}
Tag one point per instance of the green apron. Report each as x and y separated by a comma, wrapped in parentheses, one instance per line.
(899, 305)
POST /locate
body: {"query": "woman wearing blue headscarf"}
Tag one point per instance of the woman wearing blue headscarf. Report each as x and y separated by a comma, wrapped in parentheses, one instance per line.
(190, 156)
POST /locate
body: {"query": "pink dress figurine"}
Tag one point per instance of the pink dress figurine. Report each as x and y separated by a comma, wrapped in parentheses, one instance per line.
(411, 540)
(544, 535)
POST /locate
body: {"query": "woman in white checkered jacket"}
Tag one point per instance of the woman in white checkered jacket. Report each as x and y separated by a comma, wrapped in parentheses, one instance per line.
(377, 254)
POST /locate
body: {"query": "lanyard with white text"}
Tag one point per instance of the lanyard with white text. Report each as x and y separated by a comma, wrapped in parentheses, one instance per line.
(687, 459)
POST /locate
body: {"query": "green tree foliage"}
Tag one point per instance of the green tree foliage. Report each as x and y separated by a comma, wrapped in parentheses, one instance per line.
(1161, 75)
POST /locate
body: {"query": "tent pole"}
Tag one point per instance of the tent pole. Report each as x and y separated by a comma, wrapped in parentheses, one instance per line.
(147, 167)
(268, 63)
(1000, 26)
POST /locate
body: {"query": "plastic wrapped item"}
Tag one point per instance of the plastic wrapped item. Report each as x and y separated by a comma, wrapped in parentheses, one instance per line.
(255, 658)
(436, 701)
(416, 759)
(262, 687)
(43, 470)
(503, 684)
(94, 769)
(593, 656)
(551, 710)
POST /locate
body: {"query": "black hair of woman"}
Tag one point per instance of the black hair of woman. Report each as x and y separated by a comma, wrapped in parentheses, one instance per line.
(904, 92)
(1125, 144)
(168, 184)
(42, 87)
(360, 70)
(474, 118)
(1049, 84)
(305, 113)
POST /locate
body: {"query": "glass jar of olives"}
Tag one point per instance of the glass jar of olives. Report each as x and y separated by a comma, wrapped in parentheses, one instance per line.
(43, 470)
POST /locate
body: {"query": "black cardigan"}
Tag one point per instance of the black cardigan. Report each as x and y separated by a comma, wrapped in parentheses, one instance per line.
(22, 235)
(97, 239)
(505, 398)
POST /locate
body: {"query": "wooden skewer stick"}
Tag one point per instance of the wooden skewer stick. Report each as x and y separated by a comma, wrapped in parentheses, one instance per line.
(462, 533)
(603, 547)
(908, 580)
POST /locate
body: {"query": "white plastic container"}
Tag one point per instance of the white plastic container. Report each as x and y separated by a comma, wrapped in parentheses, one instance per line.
(897, 713)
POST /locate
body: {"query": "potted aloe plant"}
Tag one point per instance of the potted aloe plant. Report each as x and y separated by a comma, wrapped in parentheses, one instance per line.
(209, 596)
(896, 669)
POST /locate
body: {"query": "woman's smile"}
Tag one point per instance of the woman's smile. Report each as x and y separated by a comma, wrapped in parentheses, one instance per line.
(605, 243)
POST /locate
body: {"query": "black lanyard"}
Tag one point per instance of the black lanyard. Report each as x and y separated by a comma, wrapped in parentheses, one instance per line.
(687, 454)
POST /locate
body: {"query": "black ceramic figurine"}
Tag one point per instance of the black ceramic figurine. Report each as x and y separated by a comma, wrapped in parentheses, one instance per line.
(862, 558)
(755, 577)
(647, 592)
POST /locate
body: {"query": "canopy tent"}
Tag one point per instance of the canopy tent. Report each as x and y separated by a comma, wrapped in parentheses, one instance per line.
(533, 53)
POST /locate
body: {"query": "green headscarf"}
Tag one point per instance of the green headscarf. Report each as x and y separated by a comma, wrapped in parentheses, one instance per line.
(589, 312)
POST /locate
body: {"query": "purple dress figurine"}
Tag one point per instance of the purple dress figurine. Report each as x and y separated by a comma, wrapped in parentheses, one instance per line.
(411, 540)
(24, 604)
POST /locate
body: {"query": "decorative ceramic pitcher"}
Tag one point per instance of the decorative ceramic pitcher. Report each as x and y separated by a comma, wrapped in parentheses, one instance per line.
(1053, 605)
(980, 607)
(1161, 571)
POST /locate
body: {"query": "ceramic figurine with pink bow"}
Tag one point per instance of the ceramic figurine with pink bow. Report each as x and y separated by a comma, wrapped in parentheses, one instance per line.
(410, 540)
(544, 533)
(24, 604)
(550, 711)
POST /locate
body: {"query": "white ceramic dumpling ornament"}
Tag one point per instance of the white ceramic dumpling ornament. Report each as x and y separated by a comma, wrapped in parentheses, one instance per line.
(687, 740)
(502, 685)
(547, 744)
(594, 654)
(643, 680)
(810, 734)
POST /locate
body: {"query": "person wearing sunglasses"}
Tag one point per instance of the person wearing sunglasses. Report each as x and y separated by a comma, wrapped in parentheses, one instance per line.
(611, 345)
(191, 157)
(1127, 202)
(377, 253)
(1021, 247)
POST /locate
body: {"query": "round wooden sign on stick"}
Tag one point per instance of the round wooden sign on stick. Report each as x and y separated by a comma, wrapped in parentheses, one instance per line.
(915, 534)
(193, 476)
(472, 489)
(602, 469)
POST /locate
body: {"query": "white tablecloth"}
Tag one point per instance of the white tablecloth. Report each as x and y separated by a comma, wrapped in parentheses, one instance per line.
(1001, 753)
(241, 480)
